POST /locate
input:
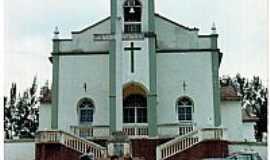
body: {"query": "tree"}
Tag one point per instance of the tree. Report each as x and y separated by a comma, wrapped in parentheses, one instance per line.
(28, 112)
(21, 114)
(9, 112)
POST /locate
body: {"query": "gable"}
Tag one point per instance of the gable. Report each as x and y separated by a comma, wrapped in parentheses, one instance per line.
(171, 35)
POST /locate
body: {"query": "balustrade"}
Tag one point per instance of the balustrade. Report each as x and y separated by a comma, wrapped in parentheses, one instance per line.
(188, 140)
(70, 141)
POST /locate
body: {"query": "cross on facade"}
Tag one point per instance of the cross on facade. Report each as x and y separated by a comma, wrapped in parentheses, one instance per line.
(184, 86)
(85, 87)
(132, 49)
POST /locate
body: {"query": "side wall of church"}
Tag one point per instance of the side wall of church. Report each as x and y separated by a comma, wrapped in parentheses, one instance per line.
(73, 73)
(44, 116)
(231, 119)
(195, 69)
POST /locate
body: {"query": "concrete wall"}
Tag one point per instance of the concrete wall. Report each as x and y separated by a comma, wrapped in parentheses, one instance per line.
(45, 116)
(231, 119)
(261, 148)
(74, 72)
(248, 131)
(171, 36)
(195, 69)
(19, 150)
(141, 64)
(84, 41)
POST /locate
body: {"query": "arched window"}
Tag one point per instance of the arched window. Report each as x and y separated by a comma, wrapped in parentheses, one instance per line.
(86, 110)
(132, 16)
(135, 109)
(184, 109)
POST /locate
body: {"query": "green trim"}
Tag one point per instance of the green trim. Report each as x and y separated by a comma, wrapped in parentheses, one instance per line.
(55, 93)
(112, 59)
(215, 78)
(55, 85)
(76, 53)
(249, 143)
(208, 36)
(187, 50)
(152, 96)
(55, 40)
(19, 140)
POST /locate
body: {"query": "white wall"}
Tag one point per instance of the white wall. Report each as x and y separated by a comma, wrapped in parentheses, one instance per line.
(231, 119)
(257, 147)
(171, 36)
(231, 116)
(141, 63)
(19, 150)
(44, 116)
(248, 131)
(195, 69)
(74, 72)
(85, 41)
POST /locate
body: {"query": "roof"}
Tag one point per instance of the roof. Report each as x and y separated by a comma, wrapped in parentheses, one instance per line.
(157, 15)
(229, 93)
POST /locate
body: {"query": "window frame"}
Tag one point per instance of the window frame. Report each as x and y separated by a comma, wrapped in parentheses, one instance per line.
(132, 27)
(90, 108)
(135, 110)
(186, 113)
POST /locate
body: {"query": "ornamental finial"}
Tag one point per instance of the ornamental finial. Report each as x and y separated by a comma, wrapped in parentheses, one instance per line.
(214, 29)
(56, 33)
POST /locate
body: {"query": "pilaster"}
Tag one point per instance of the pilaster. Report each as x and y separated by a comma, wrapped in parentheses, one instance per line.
(55, 84)
(215, 78)
(152, 97)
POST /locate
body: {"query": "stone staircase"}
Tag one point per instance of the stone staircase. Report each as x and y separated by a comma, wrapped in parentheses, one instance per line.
(198, 144)
(67, 146)
(173, 148)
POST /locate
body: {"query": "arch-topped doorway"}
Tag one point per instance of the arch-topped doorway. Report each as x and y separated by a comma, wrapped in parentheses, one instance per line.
(134, 103)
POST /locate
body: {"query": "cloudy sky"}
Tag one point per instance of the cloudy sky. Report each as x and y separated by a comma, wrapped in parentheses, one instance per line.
(29, 24)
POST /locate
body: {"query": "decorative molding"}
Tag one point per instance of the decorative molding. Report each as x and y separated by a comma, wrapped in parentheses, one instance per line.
(187, 50)
(59, 40)
(208, 36)
(248, 143)
(19, 140)
(80, 53)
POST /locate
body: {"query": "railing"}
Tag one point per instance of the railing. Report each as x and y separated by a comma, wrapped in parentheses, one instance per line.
(185, 128)
(71, 141)
(85, 132)
(132, 27)
(140, 130)
(184, 142)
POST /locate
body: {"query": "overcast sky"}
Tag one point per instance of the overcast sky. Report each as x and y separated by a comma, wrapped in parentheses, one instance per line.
(29, 24)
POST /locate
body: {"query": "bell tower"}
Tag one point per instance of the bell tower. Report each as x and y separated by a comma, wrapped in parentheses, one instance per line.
(132, 57)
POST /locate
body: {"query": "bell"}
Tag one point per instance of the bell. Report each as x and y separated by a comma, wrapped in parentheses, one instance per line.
(131, 10)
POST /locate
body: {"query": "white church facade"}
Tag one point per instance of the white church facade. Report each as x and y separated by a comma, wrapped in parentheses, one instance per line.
(141, 74)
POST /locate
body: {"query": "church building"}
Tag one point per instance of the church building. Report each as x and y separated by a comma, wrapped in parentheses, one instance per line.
(139, 84)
